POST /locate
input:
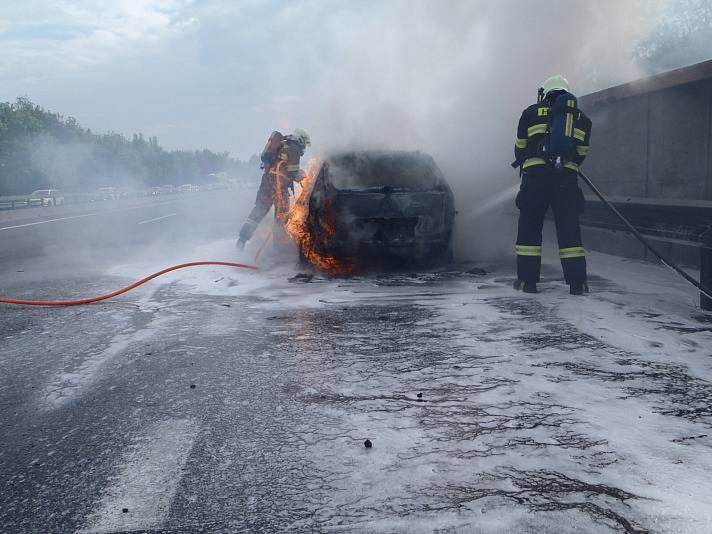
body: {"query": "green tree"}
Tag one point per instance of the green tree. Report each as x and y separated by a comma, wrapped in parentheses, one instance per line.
(41, 149)
(684, 37)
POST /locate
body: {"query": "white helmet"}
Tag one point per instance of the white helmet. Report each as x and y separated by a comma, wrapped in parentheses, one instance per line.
(301, 135)
(556, 83)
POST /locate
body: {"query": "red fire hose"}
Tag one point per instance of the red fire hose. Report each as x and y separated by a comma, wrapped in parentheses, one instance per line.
(123, 289)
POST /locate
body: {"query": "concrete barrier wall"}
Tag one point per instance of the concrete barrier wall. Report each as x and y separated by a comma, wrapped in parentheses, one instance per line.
(652, 139)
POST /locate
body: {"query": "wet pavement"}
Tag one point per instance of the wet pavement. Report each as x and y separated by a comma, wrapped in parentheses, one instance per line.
(223, 401)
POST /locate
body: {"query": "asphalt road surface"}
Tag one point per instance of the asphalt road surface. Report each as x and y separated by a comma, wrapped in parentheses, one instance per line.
(218, 400)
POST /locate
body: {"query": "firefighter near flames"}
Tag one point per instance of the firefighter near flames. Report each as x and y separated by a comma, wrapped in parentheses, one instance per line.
(280, 161)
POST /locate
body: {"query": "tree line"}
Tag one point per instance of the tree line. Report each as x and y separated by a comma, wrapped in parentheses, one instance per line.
(40, 149)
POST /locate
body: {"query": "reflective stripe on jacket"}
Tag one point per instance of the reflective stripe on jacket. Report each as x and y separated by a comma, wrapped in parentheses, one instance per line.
(531, 135)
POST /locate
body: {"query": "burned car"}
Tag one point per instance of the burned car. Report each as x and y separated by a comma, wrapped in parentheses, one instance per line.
(379, 209)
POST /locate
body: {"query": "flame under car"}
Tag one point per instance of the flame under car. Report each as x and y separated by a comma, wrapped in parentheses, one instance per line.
(381, 209)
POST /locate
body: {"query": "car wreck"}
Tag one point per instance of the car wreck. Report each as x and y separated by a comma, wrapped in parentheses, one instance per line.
(377, 209)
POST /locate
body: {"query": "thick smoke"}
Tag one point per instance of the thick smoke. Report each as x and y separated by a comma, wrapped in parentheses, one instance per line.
(452, 78)
(75, 167)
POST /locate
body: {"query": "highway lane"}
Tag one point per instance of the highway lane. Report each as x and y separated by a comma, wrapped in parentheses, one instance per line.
(83, 242)
(240, 402)
(230, 401)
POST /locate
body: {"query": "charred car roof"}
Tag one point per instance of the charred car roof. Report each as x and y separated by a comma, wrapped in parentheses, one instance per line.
(413, 171)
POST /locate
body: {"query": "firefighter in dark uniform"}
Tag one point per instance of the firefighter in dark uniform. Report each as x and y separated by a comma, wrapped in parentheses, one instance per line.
(280, 161)
(550, 179)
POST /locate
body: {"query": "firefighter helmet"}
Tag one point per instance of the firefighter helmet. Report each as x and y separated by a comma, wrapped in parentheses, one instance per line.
(301, 135)
(556, 83)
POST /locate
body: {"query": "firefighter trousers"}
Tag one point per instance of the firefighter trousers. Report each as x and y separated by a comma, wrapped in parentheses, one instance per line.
(266, 197)
(559, 190)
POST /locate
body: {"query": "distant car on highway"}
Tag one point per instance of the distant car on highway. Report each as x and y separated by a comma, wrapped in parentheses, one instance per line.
(46, 197)
(107, 193)
(162, 190)
(382, 208)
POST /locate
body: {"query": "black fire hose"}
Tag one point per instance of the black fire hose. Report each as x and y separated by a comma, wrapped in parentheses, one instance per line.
(706, 292)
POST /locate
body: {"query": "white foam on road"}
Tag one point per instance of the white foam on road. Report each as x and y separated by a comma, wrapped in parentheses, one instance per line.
(75, 379)
(146, 480)
(69, 385)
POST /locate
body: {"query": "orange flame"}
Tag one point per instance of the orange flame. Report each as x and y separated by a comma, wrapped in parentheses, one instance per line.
(299, 229)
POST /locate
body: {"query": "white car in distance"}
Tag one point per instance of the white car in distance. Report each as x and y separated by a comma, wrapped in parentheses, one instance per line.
(46, 197)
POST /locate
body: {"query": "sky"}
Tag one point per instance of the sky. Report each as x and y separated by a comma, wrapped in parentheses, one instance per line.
(448, 77)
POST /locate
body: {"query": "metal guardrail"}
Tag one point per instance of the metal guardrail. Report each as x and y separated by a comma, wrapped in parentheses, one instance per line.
(13, 203)
(67, 199)
(686, 222)
(19, 202)
(24, 201)
(673, 221)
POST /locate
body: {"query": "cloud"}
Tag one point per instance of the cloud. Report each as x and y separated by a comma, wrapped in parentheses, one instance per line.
(67, 36)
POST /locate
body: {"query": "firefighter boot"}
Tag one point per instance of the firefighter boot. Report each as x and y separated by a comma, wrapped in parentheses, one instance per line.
(527, 287)
(579, 288)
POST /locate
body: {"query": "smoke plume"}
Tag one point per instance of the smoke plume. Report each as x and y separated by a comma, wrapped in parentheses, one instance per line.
(451, 78)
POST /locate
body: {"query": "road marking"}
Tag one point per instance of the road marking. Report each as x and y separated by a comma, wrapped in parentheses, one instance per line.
(47, 221)
(146, 481)
(85, 215)
(158, 218)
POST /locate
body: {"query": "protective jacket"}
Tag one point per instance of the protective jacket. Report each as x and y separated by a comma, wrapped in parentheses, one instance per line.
(283, 174)
(288, 156)
(534, 125)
